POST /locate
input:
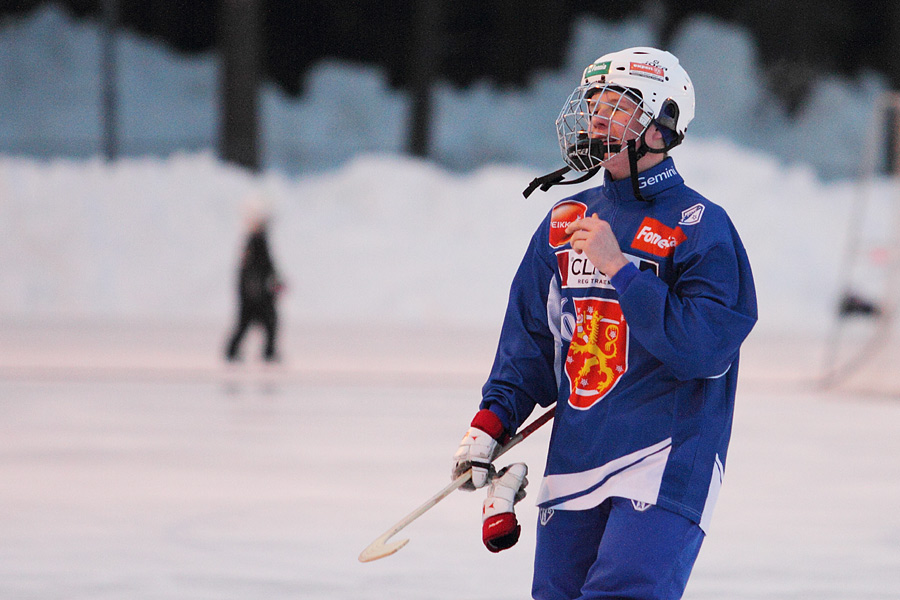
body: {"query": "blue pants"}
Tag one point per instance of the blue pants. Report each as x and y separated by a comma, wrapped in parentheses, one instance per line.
(617, 550)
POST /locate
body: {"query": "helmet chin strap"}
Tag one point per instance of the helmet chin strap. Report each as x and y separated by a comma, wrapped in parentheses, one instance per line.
(545, 182)
(634, 155)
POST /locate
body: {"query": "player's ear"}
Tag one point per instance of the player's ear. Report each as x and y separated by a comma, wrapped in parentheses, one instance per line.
(654, 137)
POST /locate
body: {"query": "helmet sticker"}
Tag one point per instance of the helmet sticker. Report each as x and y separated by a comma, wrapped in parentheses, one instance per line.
(645, 70)
(601, 68)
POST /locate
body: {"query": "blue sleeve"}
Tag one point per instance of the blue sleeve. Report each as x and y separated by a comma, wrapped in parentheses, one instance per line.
(695, 327)
(523, 372)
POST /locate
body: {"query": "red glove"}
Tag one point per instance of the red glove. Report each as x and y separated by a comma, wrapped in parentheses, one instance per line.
(500, 529)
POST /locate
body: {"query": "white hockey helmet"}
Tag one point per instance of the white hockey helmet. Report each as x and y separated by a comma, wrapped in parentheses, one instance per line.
(650, 78)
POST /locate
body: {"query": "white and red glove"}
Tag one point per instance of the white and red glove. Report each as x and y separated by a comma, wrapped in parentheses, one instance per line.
(478, 448)
(499, 527)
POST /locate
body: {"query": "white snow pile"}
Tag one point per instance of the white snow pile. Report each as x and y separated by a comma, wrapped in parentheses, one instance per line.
(383, 238)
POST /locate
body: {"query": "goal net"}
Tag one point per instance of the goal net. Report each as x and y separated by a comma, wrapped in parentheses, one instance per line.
(862, 351)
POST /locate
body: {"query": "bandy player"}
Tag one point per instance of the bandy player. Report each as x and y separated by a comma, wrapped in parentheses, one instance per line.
(628, 312)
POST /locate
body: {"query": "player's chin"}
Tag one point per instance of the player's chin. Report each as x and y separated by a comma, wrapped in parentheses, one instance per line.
(616, 150)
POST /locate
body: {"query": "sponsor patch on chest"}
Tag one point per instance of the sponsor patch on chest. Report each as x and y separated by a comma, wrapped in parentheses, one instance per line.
(656, 238)
(561, 216)
(577, 271)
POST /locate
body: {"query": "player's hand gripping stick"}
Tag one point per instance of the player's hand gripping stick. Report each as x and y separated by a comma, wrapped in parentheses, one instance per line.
(381, 547)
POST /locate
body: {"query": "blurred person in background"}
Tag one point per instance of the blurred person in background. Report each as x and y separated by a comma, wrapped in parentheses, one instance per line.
(258, 290)
(628, 312)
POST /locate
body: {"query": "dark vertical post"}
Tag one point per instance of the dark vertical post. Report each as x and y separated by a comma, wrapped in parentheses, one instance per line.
(239, 36)
(889, 158)
(425, 57)
(657, 15)
(109, 99)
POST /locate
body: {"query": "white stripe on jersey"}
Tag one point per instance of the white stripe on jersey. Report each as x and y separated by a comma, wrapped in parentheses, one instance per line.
(554, 316)
(637, 476)
(712, 496)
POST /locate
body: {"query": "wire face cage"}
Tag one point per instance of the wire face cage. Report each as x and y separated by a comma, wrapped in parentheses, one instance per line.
(596, 121)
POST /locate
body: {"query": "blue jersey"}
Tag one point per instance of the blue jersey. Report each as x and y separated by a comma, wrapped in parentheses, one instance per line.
(643, 366)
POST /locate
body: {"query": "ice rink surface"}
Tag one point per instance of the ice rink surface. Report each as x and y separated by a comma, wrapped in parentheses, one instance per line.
(136, 465)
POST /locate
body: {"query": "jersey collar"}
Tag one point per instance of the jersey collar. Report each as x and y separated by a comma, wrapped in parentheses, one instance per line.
(651, 182)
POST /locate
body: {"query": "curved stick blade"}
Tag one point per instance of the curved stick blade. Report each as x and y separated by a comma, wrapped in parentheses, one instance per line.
(379, 549)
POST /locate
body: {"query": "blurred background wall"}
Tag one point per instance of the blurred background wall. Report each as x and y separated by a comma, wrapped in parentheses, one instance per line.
(506, 41)
(415, 45)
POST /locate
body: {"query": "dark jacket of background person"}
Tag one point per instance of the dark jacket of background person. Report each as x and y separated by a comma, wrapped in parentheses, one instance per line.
(258, 287)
